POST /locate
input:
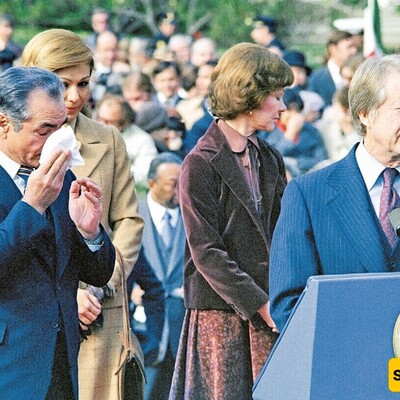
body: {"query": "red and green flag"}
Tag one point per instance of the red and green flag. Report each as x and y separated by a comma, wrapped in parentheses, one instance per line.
(372, 30)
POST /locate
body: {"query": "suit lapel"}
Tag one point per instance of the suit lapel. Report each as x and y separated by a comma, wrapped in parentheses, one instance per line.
(9, 195)
(227, 167)
(62, 223)
(91, 148)
(176, 254)
(354, 214)
(395, 265)
(149, 240)
(269, 172)
(92, 153)
(9, 192)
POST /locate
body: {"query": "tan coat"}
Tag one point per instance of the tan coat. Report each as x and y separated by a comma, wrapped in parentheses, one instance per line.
(107, 163)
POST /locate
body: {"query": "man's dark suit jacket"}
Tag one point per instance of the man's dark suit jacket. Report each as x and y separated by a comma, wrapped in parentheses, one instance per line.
(327, 227)
(40, 266)
(227, 266)
(153, 303)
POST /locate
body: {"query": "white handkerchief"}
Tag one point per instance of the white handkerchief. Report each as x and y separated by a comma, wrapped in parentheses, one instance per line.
(63, 139)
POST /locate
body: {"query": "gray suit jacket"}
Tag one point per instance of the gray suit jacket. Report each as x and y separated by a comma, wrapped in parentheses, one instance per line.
(170, 274)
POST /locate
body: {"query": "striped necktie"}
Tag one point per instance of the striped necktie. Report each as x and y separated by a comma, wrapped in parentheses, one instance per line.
(24, 172)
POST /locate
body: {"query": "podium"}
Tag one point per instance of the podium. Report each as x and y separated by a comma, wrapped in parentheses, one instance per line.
(337, 342)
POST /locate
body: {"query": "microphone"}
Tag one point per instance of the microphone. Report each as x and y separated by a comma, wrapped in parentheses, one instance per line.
(394, 218)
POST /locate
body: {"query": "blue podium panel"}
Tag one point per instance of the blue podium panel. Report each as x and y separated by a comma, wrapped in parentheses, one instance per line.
(337, 342)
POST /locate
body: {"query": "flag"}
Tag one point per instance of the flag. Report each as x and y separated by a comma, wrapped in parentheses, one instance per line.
(372, 30)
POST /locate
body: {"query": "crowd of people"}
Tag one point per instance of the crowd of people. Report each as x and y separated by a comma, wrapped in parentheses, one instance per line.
(186, 158)
(165, 79)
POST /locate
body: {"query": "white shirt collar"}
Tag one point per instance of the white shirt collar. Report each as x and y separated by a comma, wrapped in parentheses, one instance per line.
(371, 171)
(164, 100)
(370, 168)
(9, 165)
(157, 212)
(12, 167)
(334, 70)
(101, 69)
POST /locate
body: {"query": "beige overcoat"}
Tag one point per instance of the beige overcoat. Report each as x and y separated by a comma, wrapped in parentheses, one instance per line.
(107, 163)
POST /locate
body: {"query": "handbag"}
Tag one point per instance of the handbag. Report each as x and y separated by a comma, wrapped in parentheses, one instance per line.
(131, 372)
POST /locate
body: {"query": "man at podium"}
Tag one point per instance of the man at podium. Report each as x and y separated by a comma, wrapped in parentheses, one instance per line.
(335, 220)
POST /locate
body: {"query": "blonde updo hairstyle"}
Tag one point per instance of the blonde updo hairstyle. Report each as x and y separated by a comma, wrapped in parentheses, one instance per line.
(244, 76)
(54, 49)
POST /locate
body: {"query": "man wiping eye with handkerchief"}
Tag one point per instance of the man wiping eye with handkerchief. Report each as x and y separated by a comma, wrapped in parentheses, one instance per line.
(48, 222)
(64, 139)
(106, 163)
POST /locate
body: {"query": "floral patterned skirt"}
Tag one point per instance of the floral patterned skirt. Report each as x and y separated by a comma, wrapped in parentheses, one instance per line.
(219, 357)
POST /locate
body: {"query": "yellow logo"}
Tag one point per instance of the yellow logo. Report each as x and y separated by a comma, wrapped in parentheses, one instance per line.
(394, 374)
(394, 363)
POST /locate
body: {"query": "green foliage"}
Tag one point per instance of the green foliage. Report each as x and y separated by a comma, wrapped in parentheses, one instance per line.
(22, 36)
(228, 26)
(32, 16)
(355, 3)
(314, 53)
(70, 14)
(229, 22)
(222, 20)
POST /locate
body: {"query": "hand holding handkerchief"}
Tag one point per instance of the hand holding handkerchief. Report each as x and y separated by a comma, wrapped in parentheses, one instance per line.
(63, 139)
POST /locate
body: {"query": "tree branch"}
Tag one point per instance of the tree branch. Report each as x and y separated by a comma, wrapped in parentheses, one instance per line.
(196, 25)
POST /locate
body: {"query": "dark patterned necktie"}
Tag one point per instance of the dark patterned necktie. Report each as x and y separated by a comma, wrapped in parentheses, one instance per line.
(254, 166)
(389, 200)
(24, 172)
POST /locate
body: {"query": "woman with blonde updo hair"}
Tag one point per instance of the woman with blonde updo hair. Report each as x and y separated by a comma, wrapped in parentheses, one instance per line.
(230, 189)
(56, 49)
(107, 163)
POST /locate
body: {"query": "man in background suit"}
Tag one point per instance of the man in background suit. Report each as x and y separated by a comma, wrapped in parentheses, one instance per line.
(100, 21)
(263, 32)
(9, 50)
(327, 79)
(164, 250)
(50, 238)
(166, 77)
(335, 220)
